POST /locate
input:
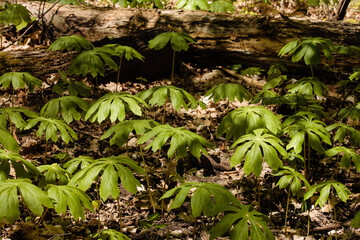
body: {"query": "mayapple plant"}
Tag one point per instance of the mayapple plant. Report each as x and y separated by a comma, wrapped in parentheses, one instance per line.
(178, 41)
(70, 43)
(17, 15)
(73, 86)
(8, 141)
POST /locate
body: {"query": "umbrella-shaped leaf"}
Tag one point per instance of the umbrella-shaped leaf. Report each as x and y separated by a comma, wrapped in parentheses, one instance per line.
(348, 154)
(74, 87)
(290, 176)
(8, 141)
(244, 120)
(308, 86)
(66, 106)
(257, 146)
(23, 168)
(110, 169)
(222, 6)
(81, 161)
(113, 105)
(72, 198)
(342, 131)
(19, 80)
(193, 4)
(33, 197)
(53, 174)
(69, 43)
(14, 115)
(15, 14)
(178, 41)
(228, 91)
(109, 234)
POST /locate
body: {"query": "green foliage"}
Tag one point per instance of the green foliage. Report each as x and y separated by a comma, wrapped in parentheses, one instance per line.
(52, 173)
(160, 94)
(242, 216)
(252, 71)
(70, 43)
(356, 221)
(82, 162)
(342, 131)
(123, 129)
(317, 2)
(125, 51)
(69, 2)
(290, 176)
(66, 106)
(228, 91)
(13, 115)
(19, 80)
(22, 167)
(341, 190)
(178, 40)
(110, 169)
(31, 195)
(308, 49)
(306, 124)
(246, 119)
(348, 154)
(8, 141)
(222, 6)
(69, 197)
(308, 86)
(92, 61)
(192, 4)
(181, 139)
(51, 127)
(352, 112)
(109, 234)
(274, 80)
(202, 197)
(113, 105)
(74, 87)
(15, 14)
(255, 147)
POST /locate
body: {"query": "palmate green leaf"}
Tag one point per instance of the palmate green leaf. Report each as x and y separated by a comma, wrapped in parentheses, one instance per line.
(69, 43)
(66, 106)
(192, 5)
(222, 6)
(356, 221)
(123, 129)
(73, 86)
(290, 176)
(22, 167)
(69, 2)
(252, 71)
(8, 141)
(79, 162)
(341, 190)
(246, 119)
(109, 234)
(308, 49)
(160, 94)
(308, 86)
(228, 91)
(244, 215)
(14, 115)
(19, 80)
(348, 154)
(53, 174)
(352, 112)
(33, 197)
(68, 197)
(181, 139)
(113, 105)
(255, 147)
(92, 61)
(302, 124)
(203, 198)
(178, 40)
(125, 51)
(15, 14)
(110, 169)
(50, 127)
(342, 131)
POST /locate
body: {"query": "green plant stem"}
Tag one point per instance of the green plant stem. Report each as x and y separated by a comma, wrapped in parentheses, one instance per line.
(98, 199)
(42, 217)
(309, 159)
(118, 75)
(259, 193)
(147, 180)
(172, 68)
(305, 159)
(46, 149)
(333, 202)
(163, 116)
(119, 209)
(162, 200)
(287, 210)
(312, 70)
(308, 225)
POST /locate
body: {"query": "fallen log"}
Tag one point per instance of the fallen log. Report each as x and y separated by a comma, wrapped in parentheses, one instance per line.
(223, 39)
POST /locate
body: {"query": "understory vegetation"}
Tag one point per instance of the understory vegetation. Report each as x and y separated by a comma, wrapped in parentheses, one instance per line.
(136, 161)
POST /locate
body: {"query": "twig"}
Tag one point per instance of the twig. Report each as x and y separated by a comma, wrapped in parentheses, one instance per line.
(331, 226)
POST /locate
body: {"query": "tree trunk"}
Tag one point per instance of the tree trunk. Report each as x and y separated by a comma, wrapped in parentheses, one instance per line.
(223, 39)
(341, 11)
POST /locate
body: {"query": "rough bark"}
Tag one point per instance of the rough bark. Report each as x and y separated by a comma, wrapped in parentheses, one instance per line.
(222, 38)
